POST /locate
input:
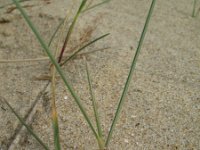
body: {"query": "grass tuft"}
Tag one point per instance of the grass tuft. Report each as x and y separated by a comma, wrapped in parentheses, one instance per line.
(56, 66)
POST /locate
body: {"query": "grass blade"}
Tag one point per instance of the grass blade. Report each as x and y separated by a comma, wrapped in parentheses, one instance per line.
(80, 49)
(71, 29)
(96, 5)
(130, 73)
(54, 111)
(194, 8)
(94, 104)
(57, 66)
(27, 127)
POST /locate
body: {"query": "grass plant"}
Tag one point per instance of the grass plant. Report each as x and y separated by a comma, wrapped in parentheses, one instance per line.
(58, 60)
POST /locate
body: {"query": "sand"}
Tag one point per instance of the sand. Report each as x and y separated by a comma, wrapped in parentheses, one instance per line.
(162, 107)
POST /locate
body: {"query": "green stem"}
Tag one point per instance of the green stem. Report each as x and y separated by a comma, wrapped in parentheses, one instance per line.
(130, 73)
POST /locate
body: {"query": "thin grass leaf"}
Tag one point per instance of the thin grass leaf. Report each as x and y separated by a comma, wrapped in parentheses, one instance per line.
(94, 104)
(96, 5)
(132, 68)
(58, 68)
(71, 29)
(54, 111)
(194, 8)
(27, 127)
(56, 134)
(82, 48)
(56, 129)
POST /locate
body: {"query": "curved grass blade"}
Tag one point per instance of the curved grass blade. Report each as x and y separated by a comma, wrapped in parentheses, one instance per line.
(71, 29)
(80, 49)
(57, 66)
(27, 127)
(132, 68)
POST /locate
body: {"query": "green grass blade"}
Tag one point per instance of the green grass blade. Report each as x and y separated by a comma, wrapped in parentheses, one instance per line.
(54, 110)
(132, 68)
(96, 5)
(27, 127)
(94, 104)
(57, 66)
(56, 133)
(82, 48)
(194, 8)
(71, 29)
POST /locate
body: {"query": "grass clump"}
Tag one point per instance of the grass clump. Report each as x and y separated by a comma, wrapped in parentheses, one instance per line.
(58, 60)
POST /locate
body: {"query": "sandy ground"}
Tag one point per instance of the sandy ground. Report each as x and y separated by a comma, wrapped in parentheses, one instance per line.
(162, 107)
